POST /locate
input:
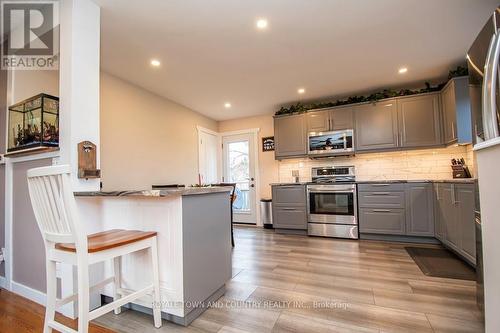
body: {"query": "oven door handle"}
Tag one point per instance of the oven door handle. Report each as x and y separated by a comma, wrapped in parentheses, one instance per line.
(331, 191)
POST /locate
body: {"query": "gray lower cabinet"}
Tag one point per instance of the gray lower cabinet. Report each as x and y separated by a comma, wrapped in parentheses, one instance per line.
(455, 218)
(438, 218)
(289, 207)
(290, 136)
(419, 209)
(465, 203)
(376, 126)
(289, 218)
(382, 221)
(396, 209)
(419, 120)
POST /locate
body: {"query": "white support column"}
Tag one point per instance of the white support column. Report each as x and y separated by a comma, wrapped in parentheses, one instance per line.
(79, 75)
(79, 83)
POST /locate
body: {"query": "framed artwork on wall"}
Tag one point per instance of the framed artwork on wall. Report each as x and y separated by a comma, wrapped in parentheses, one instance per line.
(268, 143)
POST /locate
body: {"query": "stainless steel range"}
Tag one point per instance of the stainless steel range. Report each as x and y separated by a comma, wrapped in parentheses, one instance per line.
(331, 203)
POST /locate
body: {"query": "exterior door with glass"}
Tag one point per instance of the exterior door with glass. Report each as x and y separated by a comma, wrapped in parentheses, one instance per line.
(239, 168)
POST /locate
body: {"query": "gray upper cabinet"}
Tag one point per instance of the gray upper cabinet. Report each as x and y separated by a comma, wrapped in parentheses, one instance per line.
(449, 115)
(457, 117)
(290, 136)
(419, 121)
(376, 126)
(318, 121)
(330, 120)
(342, 118)
(419, 209)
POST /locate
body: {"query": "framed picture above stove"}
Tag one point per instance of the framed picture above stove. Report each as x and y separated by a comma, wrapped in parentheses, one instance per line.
(268, 143)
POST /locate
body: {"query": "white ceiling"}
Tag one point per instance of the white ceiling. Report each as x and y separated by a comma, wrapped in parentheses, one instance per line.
(211, 52)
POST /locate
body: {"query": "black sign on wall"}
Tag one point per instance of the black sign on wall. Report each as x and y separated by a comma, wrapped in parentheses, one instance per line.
(268, 143)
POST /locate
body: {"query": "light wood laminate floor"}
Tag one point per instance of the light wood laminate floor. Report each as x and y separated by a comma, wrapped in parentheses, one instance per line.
(286, 283)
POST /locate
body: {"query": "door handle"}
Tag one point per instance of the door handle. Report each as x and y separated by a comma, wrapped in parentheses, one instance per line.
(252, 185)
(381, 210)
(453, 196)
(381, 193)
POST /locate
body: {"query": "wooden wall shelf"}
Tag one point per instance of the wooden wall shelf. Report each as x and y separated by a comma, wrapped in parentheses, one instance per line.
(31, 151)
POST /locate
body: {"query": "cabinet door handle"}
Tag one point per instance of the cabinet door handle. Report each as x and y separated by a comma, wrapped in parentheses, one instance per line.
(381, 210)
(381, 193)
(380, 185)
(291, 209)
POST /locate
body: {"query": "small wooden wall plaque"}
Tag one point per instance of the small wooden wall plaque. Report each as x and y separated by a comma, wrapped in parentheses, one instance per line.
(87, 160)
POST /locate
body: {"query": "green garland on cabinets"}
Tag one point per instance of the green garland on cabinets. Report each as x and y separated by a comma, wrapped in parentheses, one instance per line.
(386, 93)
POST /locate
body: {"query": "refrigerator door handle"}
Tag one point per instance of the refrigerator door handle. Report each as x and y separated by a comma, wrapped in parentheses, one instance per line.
(490, 122)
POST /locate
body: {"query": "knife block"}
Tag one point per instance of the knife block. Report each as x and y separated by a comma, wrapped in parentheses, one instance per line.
(460, 171)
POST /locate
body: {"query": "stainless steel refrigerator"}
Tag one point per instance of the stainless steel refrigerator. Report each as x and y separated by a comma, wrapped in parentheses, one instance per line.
(483, 61)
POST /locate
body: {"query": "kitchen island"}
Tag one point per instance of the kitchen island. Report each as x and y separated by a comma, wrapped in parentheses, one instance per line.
(194, 244)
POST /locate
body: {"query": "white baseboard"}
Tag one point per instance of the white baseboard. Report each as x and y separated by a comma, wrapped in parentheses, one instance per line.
(30, 293)
(3, 282)
(39, 297)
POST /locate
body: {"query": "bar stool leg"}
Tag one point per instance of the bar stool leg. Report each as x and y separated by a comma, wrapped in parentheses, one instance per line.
(50, 311)
(118, 281)
(83, 297)
(156, 284)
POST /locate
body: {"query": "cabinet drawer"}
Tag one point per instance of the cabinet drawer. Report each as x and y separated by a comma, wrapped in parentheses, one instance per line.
(289, 218)
(289, 195)
(382, 221)
(382, 187)
(382, 199)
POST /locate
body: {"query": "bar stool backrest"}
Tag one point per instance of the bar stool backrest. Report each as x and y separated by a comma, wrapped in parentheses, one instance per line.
(54, 206)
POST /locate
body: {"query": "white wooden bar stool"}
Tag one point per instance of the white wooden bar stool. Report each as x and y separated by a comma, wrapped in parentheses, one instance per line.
(66, 242)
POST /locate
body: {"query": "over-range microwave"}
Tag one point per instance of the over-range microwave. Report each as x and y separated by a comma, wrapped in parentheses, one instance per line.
(331, 143)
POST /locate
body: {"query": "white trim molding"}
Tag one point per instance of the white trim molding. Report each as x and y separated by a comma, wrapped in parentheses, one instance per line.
(206, 130)
(244, 131)
(30, 293)
(486, 144)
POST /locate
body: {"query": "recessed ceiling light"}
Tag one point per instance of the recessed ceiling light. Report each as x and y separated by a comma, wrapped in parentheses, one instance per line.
(402, 70)
(261, 23)
(227, 105)
(301, 90)
(155, 63)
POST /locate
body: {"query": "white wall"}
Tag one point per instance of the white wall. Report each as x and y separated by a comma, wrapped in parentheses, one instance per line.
(146, 139)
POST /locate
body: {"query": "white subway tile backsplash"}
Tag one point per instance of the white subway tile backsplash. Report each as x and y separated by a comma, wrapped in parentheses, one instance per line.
(404, 165)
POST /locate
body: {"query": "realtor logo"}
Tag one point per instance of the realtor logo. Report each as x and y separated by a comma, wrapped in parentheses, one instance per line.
(30, 35)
